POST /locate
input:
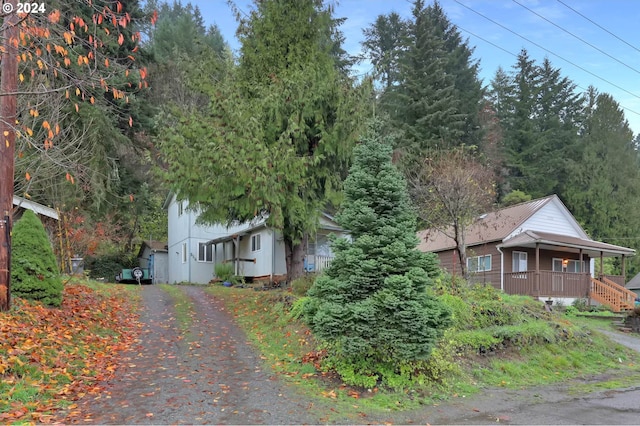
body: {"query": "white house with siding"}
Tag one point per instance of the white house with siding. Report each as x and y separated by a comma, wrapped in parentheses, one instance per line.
(256, 250)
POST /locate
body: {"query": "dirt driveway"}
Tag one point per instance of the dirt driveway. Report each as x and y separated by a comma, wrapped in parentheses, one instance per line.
(212, 376)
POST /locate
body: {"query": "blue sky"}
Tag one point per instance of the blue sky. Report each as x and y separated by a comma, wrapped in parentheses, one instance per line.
(606, 55)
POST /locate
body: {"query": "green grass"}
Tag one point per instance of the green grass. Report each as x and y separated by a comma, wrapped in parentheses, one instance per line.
(522, 345)
(183, 308)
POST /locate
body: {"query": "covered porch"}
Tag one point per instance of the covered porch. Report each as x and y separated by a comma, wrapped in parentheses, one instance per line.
(561, 268)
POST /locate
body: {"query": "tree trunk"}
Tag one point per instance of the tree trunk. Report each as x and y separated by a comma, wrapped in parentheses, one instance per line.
(294, 257)
(462, 250)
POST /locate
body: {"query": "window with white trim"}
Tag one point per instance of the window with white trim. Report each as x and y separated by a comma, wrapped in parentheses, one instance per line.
(568, 265)
(519, 261)
(255, 242)
(479, 263)
(184, 252)
(180, 208)
(205, 252)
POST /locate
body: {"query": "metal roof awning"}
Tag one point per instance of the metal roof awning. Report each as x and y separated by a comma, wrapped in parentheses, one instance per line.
(550, 241)
(233, 236)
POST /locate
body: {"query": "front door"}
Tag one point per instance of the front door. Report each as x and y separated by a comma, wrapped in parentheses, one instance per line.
(558, 268)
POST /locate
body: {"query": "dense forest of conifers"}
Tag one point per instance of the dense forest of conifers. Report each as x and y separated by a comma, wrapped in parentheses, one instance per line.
(271, 127)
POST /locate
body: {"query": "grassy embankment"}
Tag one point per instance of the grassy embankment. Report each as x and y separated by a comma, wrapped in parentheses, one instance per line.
(496, 341)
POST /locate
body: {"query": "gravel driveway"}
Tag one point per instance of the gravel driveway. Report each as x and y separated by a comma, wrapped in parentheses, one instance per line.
(212, 376)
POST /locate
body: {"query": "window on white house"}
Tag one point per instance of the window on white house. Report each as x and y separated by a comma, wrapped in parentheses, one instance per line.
(180, 208)
(205, 252)
(479, 263)
(255, 242)
(184, 252)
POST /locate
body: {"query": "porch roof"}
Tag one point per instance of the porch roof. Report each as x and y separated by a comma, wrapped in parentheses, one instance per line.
(565, 243)
(230, 237)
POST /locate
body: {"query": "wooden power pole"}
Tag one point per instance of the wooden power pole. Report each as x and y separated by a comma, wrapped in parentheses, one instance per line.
(8, 112)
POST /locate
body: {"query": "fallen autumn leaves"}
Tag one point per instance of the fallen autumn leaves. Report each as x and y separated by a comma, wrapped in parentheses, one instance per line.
(51, 357)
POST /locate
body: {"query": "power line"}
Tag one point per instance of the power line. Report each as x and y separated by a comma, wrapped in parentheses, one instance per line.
(598, 25)
(573, 35)
(547, 50)
(514, 55)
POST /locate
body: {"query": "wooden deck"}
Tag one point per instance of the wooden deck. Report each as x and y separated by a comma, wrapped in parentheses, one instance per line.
(605, 290)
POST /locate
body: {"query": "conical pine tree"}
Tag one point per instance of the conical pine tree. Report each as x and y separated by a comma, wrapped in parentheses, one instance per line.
(372, 302)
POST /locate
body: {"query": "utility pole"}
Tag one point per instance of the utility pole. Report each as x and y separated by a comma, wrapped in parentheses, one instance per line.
(8, 112)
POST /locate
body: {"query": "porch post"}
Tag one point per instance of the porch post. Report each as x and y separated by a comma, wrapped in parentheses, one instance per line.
(273, 255)
(537, 269)
(236, 254)
(624, 275)
(580, 262)
(601, 266)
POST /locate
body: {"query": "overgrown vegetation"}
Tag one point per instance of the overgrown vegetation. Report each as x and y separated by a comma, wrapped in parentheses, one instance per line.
(34, 270)
(494, 340)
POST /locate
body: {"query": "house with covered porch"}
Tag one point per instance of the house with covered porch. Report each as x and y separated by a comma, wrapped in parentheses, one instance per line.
(255, 249)
(536, 248)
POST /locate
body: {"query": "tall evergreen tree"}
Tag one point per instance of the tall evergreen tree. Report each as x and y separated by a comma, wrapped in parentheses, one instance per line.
(604, 179)
(277, 138)
(431, 92)
(383, 45)
(372, 302)
(540, 113)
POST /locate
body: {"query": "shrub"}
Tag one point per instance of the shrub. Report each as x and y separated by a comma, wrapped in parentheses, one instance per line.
(34, 271)
(225, 271)
(580, 304)
(373, 304)
(301, 286)
(107, 266)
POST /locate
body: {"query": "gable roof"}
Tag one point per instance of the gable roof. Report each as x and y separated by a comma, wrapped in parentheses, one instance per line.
(552, 241)
(155, 246)
(634, 283)
(510, 227)
(492, 226)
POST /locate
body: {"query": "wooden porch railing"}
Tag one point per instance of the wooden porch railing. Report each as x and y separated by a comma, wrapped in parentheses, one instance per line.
(547, 283)
(612, 294)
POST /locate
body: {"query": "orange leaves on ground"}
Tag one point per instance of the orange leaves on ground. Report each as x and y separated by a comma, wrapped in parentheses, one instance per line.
(27, 176)
(130, 122)
(120, 39)
(70, 178)
(60, 354)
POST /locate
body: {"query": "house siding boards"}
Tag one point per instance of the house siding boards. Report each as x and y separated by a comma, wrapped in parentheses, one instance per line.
(184, 230)
(551, 218)
(545, 230)
(221, 240)
(449, 262)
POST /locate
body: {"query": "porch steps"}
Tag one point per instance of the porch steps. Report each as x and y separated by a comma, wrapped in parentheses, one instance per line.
(611, 294)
